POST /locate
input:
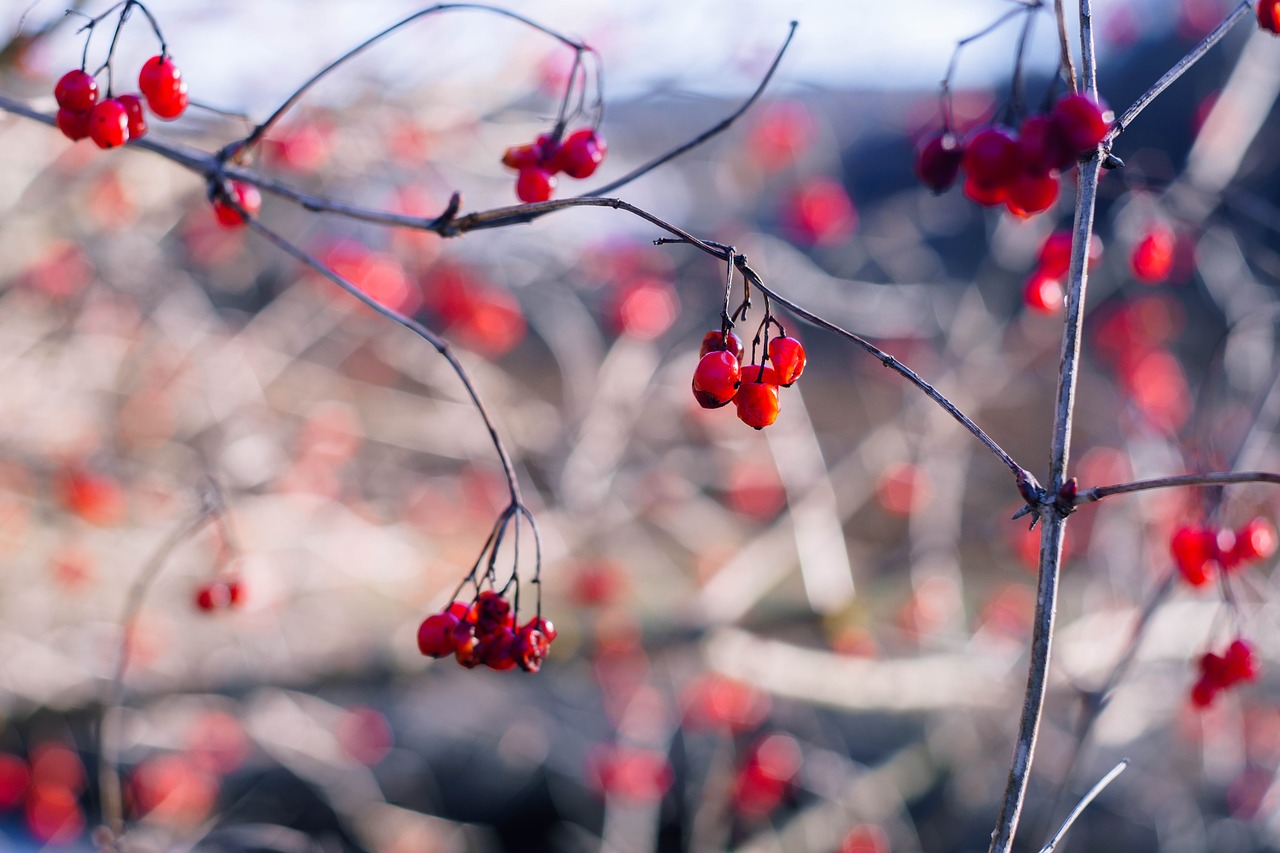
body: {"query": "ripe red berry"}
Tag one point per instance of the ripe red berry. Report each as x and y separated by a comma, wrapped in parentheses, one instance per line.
(716, 379)
(170, 105)
(159, 79)
(543, 625)
(1041, 146)
(1269, 15)
(716, 341)
(535, 184)
(580, 154)
(1195, 549)
(235, 591)
(500, 650)
(245, 195)
(137, 118)
(757, 397)
(992, 158)
(1081, 123)
(1152, 257)
(938, 160)
(466, 645)
(492, 614)
(74, 125)
(109, 124)
(531, 648)
(435, 635)
(786, 355)
(1031, 193)
(522, 156)
(983, 194)
(1255, 541)
(77, 91)
(1043, 293)
(1055, 254)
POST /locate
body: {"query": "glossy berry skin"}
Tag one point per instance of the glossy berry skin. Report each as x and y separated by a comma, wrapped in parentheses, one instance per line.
(716, 379)
(170, 105)
(1195, 550)
(500, 650)
(535, 184)
(544, 626)
(757, 400)
(1269, 15)
(435, 635)
(137, 118)
(466, 646)
(938, 160)
(580, 154)
(159, 79)
(786, 356)
(77, 91)
(74, 125)
(1079, 120)
(1152, 258)
(1032, 193)
(716, 341)
(992, 158)
(109, 124)
(522, 156)
(245, 195)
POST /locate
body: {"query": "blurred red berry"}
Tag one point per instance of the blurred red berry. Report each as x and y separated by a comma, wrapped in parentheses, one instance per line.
(1041, 146)
(820, 212)
(1153, 256)
(1032, 193)
(1256, 540)
(992, 158)
(1239, 663)
(1081, 122)
(534, 184)
(938, 160)
(245, 195)
(1195, 549)
(1043, 293)
(137, 119)
(1269, 15)
(74, 125)
(580, 154)
(715, 341)
(435, 635)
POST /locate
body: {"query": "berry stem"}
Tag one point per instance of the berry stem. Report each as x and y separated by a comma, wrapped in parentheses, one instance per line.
(1219, 478)
(1064, 46)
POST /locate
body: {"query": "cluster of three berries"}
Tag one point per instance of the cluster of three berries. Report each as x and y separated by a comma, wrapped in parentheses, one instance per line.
(114, 121)
(720, 378)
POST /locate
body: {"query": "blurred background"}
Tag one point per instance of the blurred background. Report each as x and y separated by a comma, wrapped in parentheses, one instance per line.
(808, 638)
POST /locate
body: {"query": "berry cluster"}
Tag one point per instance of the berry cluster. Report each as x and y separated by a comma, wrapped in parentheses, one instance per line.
(537, 164)
(242, 194)
(485, 633)
(221, 594)
(116, 120)
(720, 377)
(1018, 169)
(1221, 672)
(1198, 550)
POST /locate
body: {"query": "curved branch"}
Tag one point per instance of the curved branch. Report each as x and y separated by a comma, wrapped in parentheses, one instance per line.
(1221, 478)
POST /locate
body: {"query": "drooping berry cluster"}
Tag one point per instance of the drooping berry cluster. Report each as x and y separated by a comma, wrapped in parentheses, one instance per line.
(578, 155)
(485, 633)
(1237, 665)
(114, 121)
(221, 594)
(720, 377)
(1016, 168)
(1200, 551)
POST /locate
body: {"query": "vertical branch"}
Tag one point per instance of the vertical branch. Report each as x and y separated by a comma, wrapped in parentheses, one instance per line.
(1052, 513)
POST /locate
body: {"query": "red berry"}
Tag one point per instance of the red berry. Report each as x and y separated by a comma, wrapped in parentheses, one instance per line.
(213, 596)
(1152, 258)
(1081, 123)
(544, 626)
(492, 614)
(466, 646)
(716, 341)
(1239, 664)
(500, 650)
(757, 397)
(170, 105)
(580, 154)
(109, 124)
(1043, 293)
(76, 91)
(74, 125)
(1041, 146)
(786, 355)
(1204, 692)
(1194, 550)
(245, 195)
(522, 156)
(435, 635)
(938, 161)
(1269, 15)
(1255, 541)
(992, 158)
(1031, 193)
(535, 184)
(716, 379)
(159, 79)
(137, 119)
(1055, 254)
(460, 610)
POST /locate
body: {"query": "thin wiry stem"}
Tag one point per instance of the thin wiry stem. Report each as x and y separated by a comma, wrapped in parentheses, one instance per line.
(1180, 67)
(1064, 45)
(1084, 804)
(1218, 478)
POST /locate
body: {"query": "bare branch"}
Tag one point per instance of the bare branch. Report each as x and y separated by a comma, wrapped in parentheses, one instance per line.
(1084, 804)
(1221, 478)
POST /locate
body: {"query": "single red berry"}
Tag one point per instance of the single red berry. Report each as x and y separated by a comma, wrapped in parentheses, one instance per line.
(987, 195)
(716, 379)
(137, 118)
(77, 91)
(1239, 663)
(522, 156)
(992, 158)
(1043, 293)
(74, 125)
(1081, 122)
(500, 650)
(461, 611)
(786, 355)
(1032, 193)
(716, 341)
(213, 596)
(109, 124)
(493, 614)
(435, 635)
(466, 646)
(1055, 253)
(757, 400)
(535, 184)
(544, 626)
(938, 160)
(1256, 540)
(170, 105)
(1152, 257)
(1041, 145)
(531, 648)
(1269, 15)
(1194, 550)
(580, 154)
(159, 79)
(245, 195)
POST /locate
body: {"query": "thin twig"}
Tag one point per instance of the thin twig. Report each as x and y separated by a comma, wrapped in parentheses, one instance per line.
(1064, 45)
(1220, 478)
(1179, 68)
(1084, 804)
